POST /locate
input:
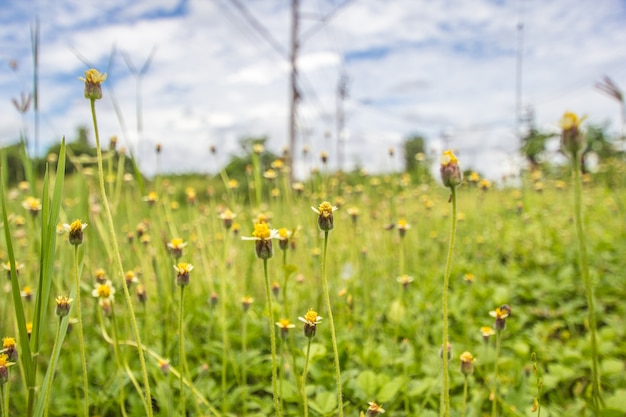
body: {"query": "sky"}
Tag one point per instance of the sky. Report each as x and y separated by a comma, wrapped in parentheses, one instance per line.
(219, 71)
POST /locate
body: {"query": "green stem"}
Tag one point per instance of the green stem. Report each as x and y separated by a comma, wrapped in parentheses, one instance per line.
(118, 260)
(465, 384)
(2, 405)
(304, 373)
(52, 365)
(181, 351)
(444, 301)
(268, 295)
(584, 271)
(332, 326)
(494, 404)
(81, 340)
(244, 368)
(116, 352)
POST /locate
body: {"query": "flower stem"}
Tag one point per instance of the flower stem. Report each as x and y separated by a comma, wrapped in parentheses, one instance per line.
(2, 405)
(304, 373)
(465, 384)
(332, 327)
(52, 365)
(181, 351)
(268, 295)
(494, 404)
(81, 340)
(444, 301)
(244, 368)
(118, 260)
(596, 395)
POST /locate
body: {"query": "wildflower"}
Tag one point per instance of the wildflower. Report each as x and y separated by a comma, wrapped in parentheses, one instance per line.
(283, 238)
(75, 232)
(284, 325)
(354, 214)
(213, 299)
(182, 273)
(374, 409)
(325, 220)
(19, 221)
(93, 84)
(141, 293)
(101, 276)
(485, 184)
(9, 348)
(391, 151)
(4, 369)
(233, 184)
(270, 175)
(420, 157)
(324, 157)
(298, 187)
(258, 148)
(151, 198)
(104, 291)
(275, 193)
(164, 366)
(7, 267)
(501, 313)
(468, 278)
(191, 195)
(487, 332)
(245, 302)
(130, 278)
(402, 227)
(227, 217)
(405, 280)
(29, 328)
(572, 139)
(112, 143)
(474, 178)
(158, 148)
(176, 246)
(467, 363)
(27, 292)
(263, 237)
(32, 204)
(449, 350)
(310, 320)
(275, 288)
(63, 306)
(236, 227)
(451, 174)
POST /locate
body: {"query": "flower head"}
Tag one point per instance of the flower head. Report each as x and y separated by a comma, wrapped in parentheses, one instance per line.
(32, 204)
(501, 313)
(487, 332)
(104, 291)
(4, 368)
(450, 171)
(284, 325)
(246, 301)
(402, 227)
(310, 320)
(27, 292)
(263, 236)
(63, 306)
(572, 139)
(130, 278)
(176, 246)
(374, 409)
(93, 84)
(284, 235)
(75, 230)
(227, 217)
(325, 220)
(182, 273)
(467, 363)
(405, 280)
(151, 198)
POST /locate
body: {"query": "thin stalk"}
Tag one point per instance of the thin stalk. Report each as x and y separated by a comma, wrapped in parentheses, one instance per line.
(444, 301)
(304, 372)
(52, 365)
(465, 384)
(596, 394)
(81, 340)
(120, 267)
(116, 352)
(244, 368)
(332, 326)
(494, 404)
(268, 295)
(181, 351)
(3, 408)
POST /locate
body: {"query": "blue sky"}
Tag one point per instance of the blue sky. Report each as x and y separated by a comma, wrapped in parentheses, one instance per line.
(439, 68)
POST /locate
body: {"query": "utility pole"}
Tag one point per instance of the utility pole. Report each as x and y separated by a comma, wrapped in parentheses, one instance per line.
(295, 95)
(342, 93)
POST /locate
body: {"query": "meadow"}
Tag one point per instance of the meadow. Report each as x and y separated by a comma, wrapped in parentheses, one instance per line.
(169, 267)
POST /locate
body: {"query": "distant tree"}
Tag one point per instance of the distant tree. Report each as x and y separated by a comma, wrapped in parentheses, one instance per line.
(236, 167)
(534, 141)
(416, 161)
(599, 143)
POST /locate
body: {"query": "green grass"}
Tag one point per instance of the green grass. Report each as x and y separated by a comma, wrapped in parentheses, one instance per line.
(388, 337)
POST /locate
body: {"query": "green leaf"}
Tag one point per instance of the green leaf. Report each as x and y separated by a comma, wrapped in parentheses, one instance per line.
(368, 382)
(390, 389)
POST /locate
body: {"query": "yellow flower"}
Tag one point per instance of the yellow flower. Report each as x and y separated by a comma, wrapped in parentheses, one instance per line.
(467, 363)
(570, 120)
(233, 184)
(246, 301)
(75, 232)
(284, 325)
(258, 148)
(487, 331)
(451, 174)
(63, 306)
(325, 220)
(310, 320)
(448, 158)
(374, 409)
(278, 164)
(104, 291)
(405, 280)
(151, 198)
(474, 177)
(93, 83)
(32, 204)
(263, 237)
(572, 139)
(176, 246)
(270, 174)
(27, 292)
(4, 360)
(182, 273)
(8, 343)
(501, 313)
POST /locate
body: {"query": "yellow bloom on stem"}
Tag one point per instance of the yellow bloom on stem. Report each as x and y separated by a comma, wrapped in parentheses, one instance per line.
(75, 230)
(572, 139)
(310, 320)
(93, 83)
(374, 409)
(182, 273)
(104, 291)
(32, 204)
(63, 306)
(450, 171)
(325, 220)
(176, 246)
(263, 236)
